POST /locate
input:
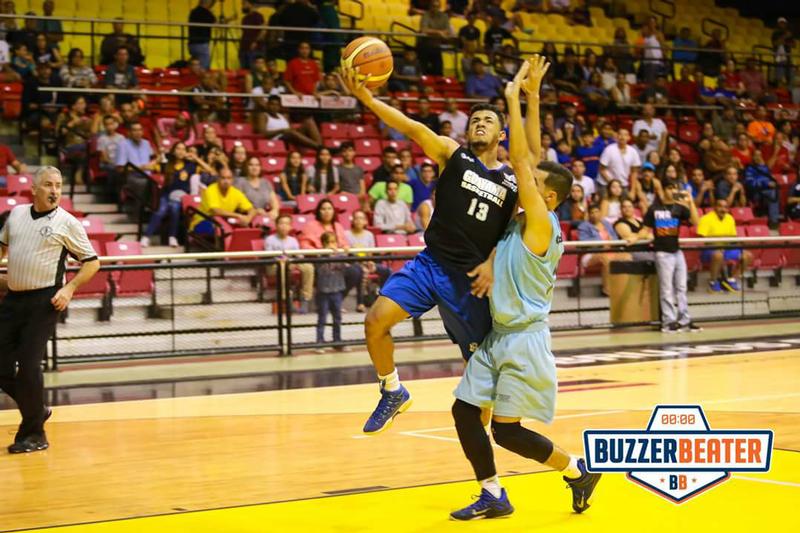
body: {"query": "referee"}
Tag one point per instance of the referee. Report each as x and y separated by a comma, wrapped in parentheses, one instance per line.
(37, 239)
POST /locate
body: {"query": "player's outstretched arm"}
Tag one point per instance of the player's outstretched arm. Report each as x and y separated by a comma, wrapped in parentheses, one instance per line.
(531, 86)
(437, 147)
(538, 229)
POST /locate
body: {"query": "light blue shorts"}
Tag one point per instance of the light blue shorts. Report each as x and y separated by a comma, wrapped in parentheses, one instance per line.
(513, 373)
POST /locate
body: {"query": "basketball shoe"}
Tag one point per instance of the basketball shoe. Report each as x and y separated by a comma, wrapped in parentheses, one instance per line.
(392, 403)
(582, 487)
(487, 506)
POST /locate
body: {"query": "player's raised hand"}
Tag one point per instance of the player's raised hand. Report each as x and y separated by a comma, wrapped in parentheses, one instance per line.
(536, 73)
(513, 87)
(355, 83)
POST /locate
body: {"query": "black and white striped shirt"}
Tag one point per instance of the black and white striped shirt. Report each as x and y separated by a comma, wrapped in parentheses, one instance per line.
(38, 245)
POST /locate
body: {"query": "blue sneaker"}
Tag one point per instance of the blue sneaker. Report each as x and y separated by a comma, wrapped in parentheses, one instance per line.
(731, 285)
(392, 404)
(582, 487)
(714, 286)
(487, 506)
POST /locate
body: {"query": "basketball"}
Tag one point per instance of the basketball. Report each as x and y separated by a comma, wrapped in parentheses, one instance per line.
(372, 57)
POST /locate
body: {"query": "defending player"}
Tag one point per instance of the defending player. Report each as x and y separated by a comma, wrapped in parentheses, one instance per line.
(476, 196)
(513, 371)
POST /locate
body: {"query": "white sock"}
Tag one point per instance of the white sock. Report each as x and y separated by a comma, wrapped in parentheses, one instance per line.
(572, 471)
(391, 381)
(493, 486)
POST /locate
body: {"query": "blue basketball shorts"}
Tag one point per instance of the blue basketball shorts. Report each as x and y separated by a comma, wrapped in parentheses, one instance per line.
(729, 255)
(423, 283)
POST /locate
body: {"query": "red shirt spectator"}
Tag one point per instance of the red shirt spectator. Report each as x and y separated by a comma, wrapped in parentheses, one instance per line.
(684, 92)
(302, 73)
(777, 156)
(744, 156)
(7, 158)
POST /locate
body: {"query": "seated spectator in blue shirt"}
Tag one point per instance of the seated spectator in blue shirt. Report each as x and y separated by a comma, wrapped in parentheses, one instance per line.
(424, 185)
(407, 72)
(564, 152)
(480, 83)
(136, 150)
(684, 40)
(762, 188)
(599, 229)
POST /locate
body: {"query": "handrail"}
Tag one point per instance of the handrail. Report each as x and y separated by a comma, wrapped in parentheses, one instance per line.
(393, 34)
(716, 23)
(654, 8)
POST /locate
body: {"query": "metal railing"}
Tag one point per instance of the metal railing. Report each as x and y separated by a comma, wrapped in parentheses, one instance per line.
(243, 302)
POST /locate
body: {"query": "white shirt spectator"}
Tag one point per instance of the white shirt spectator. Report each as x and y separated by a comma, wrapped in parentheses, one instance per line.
(587, 184)
(389, 215)
(4, 57)
(109, 145)
(619, 164)
(551, 155)
(273, 243)
(657, 129)
(459, 122)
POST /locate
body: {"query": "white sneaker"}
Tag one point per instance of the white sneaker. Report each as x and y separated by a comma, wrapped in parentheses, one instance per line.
(173, 242)
(145, 242)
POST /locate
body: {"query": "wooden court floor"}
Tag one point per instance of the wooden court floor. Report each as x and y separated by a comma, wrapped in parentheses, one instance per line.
(295, 461)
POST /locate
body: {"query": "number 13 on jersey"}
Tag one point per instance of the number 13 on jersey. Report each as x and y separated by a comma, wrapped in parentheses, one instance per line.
(479, 210)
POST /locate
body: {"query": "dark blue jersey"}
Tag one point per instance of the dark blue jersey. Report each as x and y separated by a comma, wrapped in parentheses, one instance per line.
(473, 208)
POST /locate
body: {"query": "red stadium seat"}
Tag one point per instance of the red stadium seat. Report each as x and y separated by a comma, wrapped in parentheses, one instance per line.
(201, 126)
(368, 147)
(96, 230)
(397, 145)
(130, 283)
(230, 144)
(19, 185)
(8, 203)
(332, 129)
(742, 215)
(240, 130)
(268, 147)
(416, 239)
(689, 132)
(240, 238)
(190, 200)
(767, 258)
(364, 131)
(345, 202)
(272, 164)
(299, 222)
(369, 164)
(391, 241)
(307, 203)
(568, 267)
(263, 221)
(789, 228)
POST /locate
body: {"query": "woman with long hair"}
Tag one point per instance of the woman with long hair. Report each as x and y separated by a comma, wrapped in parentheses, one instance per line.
(322, 177)
(258, 189)
(575, 207)
(293, 177)
(106, 108)
(325, 220)
(610, 205)
(75, 73)
(238, 160)
(44, 52)
(74, 128)
(180, 167)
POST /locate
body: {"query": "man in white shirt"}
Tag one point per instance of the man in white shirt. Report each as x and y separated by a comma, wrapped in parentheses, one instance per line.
(580, 177)
(619, 161)
(281, 241)
(457, 119)
(655, 127)
(392, 215)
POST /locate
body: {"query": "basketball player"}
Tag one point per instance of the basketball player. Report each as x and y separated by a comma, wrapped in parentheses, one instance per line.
(476, 196)
(513, 371)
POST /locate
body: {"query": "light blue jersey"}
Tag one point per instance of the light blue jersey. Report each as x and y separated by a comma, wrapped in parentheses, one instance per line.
(523, 281)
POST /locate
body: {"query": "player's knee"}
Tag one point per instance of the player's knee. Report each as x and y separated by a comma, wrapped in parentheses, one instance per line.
(522, 441)
(504, 433)
(464, 413)
(374, 323)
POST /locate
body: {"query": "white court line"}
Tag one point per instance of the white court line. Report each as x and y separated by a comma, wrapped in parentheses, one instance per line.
(748, 398)
(772, 481)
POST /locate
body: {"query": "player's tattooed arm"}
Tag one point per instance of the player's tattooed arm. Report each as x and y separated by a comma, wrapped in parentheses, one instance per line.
(437, 147)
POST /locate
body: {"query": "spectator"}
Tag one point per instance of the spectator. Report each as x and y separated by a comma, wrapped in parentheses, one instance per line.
(791, 138)
(563, 152)
(469, 35)
(211, 140)
(325, 220)
(731, 80)
(388, 132)
(112, 42)
(495, 35)
(713, 54)
(292, 178)
(7, 73)
(40, 106)
(684, 40)
(357, 274)
(777, 155)
(121, 75)
(323, 176)
(27, 35)
(684, 91)
(631, 228)
(435, 24)
(760, 129)
(7, 158)
(549, 152)
(423, 186)
(260, 77)
(205, 108)
(619, 161)
(351, 176)
(609, 73)
(596, 98)
(237, 161)
(651, 51)
(302, 73)
(252, 40)
(664, 219)
(407, 160)
(782, 42)
(589, 152)
(580, 177)
(657, 93)
(753, 79)
(278, 127)
(568, 73)
(392, 215)
(22, 61)
(425, 116)
(200, 36)
(730, 189)
(179, 128)
(596, 228)
(611, 203)
(647, 190)
(74, 127)
(725, 124)
(425, 211)
(457, 118)
(642, 144)
(574, 208)
(717, 157)
(701, 189)
(720, 223)
(222, 199)
(655, 127)
(134, 150)
(75, 73)
(620, 51)
(258, 189)
(109, 143)
(298, 14)
(793, 203)
(178, 173)
(407, 72)
(330, 281)
(404, 193)
(743, 151)
(282, 241)
(590, 64)
(762, 188)
(389, 160)
(480, 83)
(51, 27)
(44, 52)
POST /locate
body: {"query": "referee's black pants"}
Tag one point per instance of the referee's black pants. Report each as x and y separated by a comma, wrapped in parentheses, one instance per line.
(27, 321)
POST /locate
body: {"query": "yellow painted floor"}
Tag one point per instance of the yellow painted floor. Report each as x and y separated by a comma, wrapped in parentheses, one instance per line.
(274, 461)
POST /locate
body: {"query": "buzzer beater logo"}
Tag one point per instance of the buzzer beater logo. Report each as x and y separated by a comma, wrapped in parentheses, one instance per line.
(678, 456)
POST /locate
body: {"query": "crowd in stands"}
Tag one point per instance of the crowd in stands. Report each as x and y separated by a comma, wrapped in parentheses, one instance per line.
(603, 116)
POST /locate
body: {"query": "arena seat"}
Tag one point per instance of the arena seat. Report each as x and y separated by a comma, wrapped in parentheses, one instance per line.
(345, 202)
(270, 147)
(335, 130)
(369, 164)
(299, 222)
(240, 238)
(240, 130)
(742, 215)
(416, 239)
(397, 145)
(130, 283)
(272, 164)
(96, 230)
(264, 222)
(8, 203)
(364, 131)
(19, 185)
(307, 203)
(230, 144)
(766, 258)
(368, 147)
